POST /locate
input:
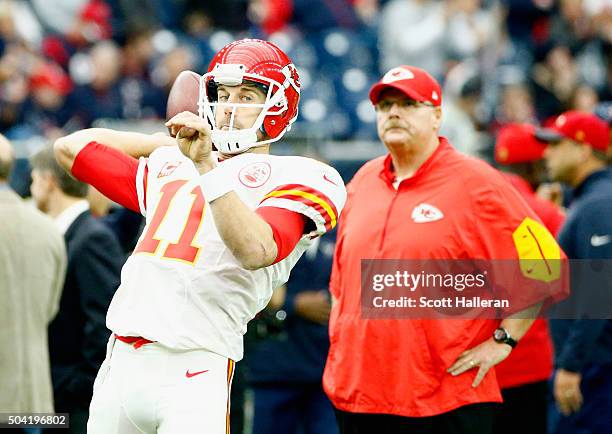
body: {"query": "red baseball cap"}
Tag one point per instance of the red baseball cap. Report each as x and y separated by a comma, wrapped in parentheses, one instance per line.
(51, 75)
(582, 127)
(412, 81)
(98, 13)
(516, 143)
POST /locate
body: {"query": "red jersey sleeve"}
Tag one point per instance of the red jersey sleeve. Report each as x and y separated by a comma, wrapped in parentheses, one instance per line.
(287, 227)
(115, 174)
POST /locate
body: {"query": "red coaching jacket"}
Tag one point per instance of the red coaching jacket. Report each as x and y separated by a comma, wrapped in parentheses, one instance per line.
(453, 207)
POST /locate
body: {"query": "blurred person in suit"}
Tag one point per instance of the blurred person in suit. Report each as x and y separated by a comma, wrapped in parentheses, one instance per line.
(125, 224)
(78, 335)
(32, 266)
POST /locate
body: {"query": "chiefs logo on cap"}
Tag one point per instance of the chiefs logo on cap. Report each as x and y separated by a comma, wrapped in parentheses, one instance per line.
(560, 121)
(396, 74)
(502, 153)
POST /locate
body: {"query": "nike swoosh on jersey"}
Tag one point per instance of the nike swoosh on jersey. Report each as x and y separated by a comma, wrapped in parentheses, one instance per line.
(600, 240)
(193, 374)
(329, 180)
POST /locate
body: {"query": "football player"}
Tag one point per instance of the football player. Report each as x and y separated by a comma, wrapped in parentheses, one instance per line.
(223, 229)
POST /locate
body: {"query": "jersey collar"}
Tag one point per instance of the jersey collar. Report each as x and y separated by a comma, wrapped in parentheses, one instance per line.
(387, 172)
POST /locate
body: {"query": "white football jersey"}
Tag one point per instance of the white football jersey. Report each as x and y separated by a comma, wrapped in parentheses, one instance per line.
(182, 287)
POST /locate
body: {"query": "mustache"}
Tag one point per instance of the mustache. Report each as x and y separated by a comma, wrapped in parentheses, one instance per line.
(394, 124)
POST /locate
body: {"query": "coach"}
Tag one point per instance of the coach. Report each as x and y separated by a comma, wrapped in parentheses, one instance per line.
(424, 200)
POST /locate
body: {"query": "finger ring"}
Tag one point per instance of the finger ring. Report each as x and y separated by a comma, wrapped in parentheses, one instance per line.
(472, 363)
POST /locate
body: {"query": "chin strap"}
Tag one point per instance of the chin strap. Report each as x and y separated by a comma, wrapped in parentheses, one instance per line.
(234, 142)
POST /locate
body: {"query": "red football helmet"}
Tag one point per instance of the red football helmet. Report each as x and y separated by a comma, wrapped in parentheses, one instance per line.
(265, 64)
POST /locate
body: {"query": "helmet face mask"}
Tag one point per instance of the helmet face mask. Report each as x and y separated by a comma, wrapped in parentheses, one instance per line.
(250, 62)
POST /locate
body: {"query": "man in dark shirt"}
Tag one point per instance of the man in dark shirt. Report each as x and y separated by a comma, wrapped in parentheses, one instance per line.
(582, 384)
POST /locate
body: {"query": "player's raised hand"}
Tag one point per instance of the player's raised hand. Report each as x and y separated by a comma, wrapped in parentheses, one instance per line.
(193, 137)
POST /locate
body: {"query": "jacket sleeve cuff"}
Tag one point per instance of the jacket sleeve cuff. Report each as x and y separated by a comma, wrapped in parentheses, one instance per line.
(289, 306)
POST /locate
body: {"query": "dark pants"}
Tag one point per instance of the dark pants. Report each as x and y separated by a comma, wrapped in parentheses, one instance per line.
(293, 409)
(239, 386)
(524, 410)
(470, 419)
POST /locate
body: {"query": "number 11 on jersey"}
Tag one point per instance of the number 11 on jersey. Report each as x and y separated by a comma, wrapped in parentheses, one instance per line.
(183, 250)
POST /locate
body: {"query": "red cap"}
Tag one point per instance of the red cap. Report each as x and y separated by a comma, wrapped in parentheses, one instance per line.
(412, 81)
(582, 127)
(516, 143)
(52, 76)
(98, 12)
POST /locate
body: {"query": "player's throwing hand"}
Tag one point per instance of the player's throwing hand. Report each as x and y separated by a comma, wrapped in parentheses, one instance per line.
(193, 137)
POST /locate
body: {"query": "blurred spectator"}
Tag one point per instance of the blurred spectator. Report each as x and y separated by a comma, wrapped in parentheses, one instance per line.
(137, 54)
(32, 266)
(330, 14)
(582, 382)
(462, 123)
(274, 15)
(413, 32)
(584, 99)
(58, 16)
(177, 60)
(286, 367)
(515, 105)
(555, 79)
(141, 98)
(367, 10)
(137, 16)
(223, 14)
(46, 110)
(523, 376)
(101, 96)
(18, 21)
(80, 21)
(270, 15)
(527, 21)
(13, 89)
(469, 28)
(108, 93)
(78, 335)
(574, 26)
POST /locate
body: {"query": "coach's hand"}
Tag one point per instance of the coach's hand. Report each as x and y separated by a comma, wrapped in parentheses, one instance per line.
(567, 392)
(483, 357)
(313, 305)
(193, 138)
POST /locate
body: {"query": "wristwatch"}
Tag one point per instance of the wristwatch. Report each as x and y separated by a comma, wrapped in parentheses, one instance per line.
(501, 336)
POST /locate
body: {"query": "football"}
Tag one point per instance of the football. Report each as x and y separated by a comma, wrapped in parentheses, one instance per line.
(184, 94)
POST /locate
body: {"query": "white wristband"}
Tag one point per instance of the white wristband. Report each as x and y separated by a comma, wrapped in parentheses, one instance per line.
(215, 184)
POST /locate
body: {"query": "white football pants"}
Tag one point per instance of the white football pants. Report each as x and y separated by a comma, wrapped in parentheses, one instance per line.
(156, 390)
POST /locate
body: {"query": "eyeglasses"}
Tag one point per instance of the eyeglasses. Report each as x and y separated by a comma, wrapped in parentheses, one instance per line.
(404, 104)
